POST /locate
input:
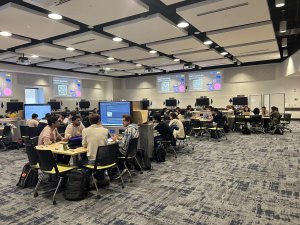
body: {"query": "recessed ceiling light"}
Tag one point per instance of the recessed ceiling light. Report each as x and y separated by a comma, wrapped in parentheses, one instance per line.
(224, 53)
(138, 65)
(207, 42)
(183, 25)
(176, 60)
(70, 49)
(197, 32)
(279, 3)
(117, 39)
(55, 16)
(282, 26)
(153, 51)
(110, 58)
(284, 42)
(34, 56)
(285, 53)
(106, 68)
(5, 33)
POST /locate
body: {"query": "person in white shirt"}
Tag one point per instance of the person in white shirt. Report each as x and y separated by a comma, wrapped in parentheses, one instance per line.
(63, 118)
(93, 137)
(178, 131)
(75, 128)
(34, 121)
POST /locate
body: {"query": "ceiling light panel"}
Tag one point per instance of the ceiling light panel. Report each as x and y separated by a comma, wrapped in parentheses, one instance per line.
(49, 51)
(241, 35)
(253, 48)
(259, 57)
(59, 64)
(172, 67)
(30, 23)
(216, 15)
(178, 45)
(121, 66)
(131, 53)
(170, 2)
(91, 59)
(90, 41)
(13, 41)
(95, 11)
(199, 56)
(216, 62)
(145, 30)
(158, 61)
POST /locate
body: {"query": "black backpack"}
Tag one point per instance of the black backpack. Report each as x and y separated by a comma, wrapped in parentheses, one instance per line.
(143, 159)
(246, 130)
(160, 154)
(28, 177)
(77, 187)
(278, 130)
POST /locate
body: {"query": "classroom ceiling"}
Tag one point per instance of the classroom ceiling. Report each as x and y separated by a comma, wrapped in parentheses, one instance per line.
(247, 30)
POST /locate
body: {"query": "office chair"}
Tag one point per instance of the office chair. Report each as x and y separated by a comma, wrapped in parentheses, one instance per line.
(218, 131)
(285, 122)
(24, 130)
(5, 138)
(198, 127)
(32, 155)
(257, 124)
(187, 138)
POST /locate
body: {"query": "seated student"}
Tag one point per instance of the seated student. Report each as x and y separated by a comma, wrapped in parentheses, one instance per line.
(34, 121)
(75, 128)
(50, 134)
(43, 123)
(163, 129)
(246, 111)
(63, 118)
(264, 111)
(180, 115)
(256, 112)
(176, 126)
(217, 115)
(275, 117)
(188, 113)
(230, 110)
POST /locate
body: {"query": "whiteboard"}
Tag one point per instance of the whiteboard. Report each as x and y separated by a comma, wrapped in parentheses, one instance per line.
(278, 101)
(255, 101)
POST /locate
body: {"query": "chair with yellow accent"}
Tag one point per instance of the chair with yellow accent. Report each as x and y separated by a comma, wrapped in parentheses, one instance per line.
(219, 129)
(48, 165)
(32, 155)
(106, 159)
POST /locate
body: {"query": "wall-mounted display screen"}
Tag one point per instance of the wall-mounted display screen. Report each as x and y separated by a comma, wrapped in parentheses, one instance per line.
(171, 102)
(5, 85)
(66, 87)
(14, 106)
(54, 105)
(171, 83)
(202, 101)
(240, 101)
(111, 112)
(40, 109)
(205, 81)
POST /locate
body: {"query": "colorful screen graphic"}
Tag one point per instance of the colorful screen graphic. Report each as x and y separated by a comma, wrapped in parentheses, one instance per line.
(65, 87)
(171, 84)
(5, 85)
(205, 81)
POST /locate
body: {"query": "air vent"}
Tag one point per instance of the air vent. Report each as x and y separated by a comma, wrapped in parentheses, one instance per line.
(223, 9)
(85, 41)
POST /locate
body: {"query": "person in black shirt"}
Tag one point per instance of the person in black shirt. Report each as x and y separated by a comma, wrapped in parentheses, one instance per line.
(163, 129)
(217, 115)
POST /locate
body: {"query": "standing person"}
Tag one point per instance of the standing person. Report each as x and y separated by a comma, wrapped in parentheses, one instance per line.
(34, 120)
(177, 127)
(75, 128)
(131, 132)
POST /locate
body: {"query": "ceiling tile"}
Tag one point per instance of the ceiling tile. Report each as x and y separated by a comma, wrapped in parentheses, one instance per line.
(30, 23)
(48, 51)
(90, 59)
(220, 14)
(90, 41)
(13, 41)
(158, 61)
(90, 69)
(128, 54)
(172, 67)
(94, 12)
(215, 62)
(59, 64)
(145, 30)
(142, 71)
(199, 56)
(242, 35)
(170, 2)
(121, 66)
(118, 73)
(259, 57)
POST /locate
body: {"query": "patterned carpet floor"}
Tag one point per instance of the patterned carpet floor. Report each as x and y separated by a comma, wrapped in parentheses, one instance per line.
(248, 179)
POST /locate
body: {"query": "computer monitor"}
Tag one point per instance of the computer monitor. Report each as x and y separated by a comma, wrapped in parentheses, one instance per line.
(54, 105)
(84, 104)
(14, 106)
(202, 102)
(145, 104)
(240, 101)
(40, 109)
(111, 112)
(171, 102)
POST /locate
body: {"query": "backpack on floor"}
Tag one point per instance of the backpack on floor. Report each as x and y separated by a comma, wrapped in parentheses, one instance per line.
(77, 187)
(278, 130)
(28, 178)
(143, 159)
(246, 130)
(160, 154)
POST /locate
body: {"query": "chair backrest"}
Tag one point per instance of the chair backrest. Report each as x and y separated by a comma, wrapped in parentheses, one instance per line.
(287, 117)
(40, 127)
(187, 127)
(106, 155)
(61, 129)
(24, 130)
(6, 131)
(255, 119)
(195, 123)
(33, 132)
(221, 122)
(47, 161)
(239, 118)
(31, 151)
(132, 147)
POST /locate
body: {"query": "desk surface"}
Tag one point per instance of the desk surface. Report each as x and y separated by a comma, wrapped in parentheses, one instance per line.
(56, 148)
(248, 117)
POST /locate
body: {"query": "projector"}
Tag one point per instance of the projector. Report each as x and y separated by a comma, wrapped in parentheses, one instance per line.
(148, 70)
(188, 66)
(23, 61)
(101, 71)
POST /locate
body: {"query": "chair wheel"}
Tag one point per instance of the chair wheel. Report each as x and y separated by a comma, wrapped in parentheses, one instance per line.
(98, 196)
(54, 202)
(35, 194)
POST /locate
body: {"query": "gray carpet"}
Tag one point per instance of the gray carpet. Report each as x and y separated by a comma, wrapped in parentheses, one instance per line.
(245, 180)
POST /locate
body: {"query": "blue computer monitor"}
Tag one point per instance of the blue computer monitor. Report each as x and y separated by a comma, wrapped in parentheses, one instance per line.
(40, 109)
(111, 112)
